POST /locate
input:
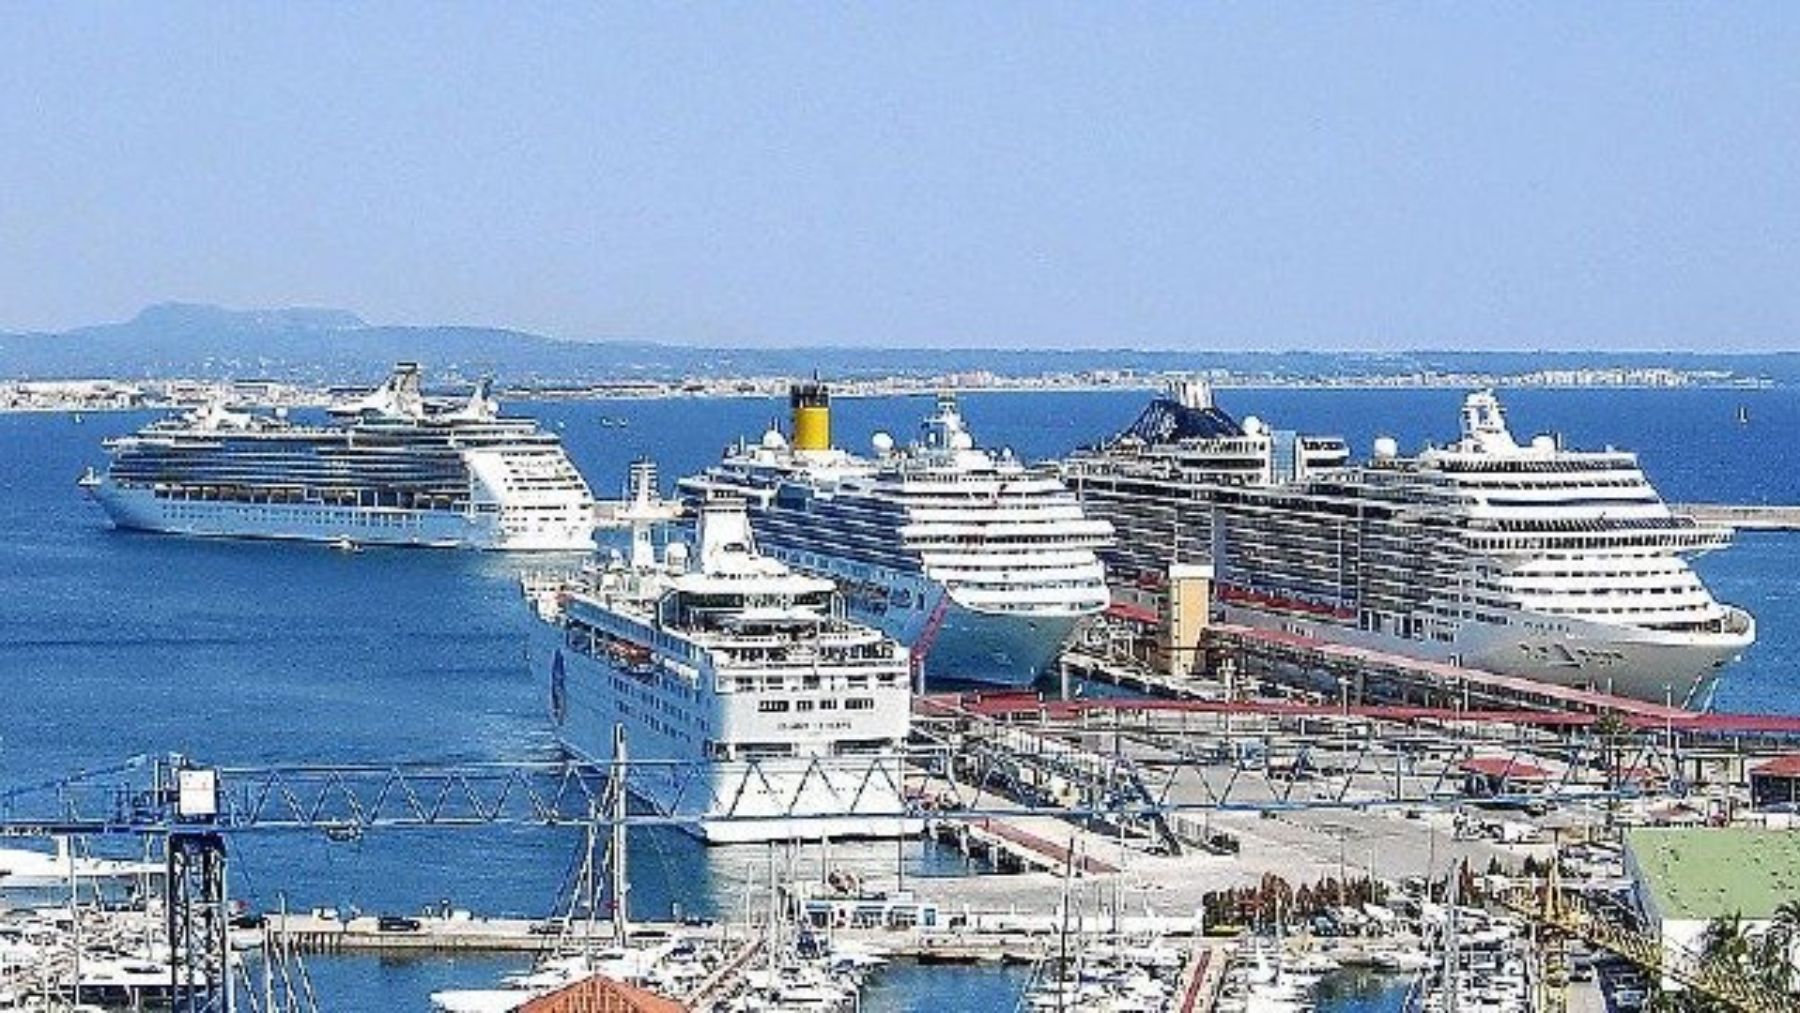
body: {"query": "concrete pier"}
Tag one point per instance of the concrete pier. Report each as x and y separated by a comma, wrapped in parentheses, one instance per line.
(1011, 849)
(966, 944)
(314, 933)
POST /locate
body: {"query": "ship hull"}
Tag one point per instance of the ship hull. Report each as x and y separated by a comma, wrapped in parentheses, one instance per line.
(995, 650)
(1010, 650)
(135, 509)
(1655, 666)
(719, 802)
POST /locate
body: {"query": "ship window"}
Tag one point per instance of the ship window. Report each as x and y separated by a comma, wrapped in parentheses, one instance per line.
(828, 705)
(803, 705)
(859, 703)
(772, 706)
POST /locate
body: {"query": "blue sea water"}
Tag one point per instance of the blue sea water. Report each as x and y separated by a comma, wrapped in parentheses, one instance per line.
(113, 644)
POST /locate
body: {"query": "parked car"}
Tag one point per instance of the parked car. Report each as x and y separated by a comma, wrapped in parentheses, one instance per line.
(397, 923)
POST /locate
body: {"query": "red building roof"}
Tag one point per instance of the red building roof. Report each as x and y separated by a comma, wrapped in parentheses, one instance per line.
(1787, 765)
(1135, 613)
(1504, 767)
(600, 994)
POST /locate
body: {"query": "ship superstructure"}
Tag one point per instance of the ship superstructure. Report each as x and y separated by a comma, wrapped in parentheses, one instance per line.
(1154, 482)
(1523, 559)
(981, 564)
(752, 705)
(389, 468)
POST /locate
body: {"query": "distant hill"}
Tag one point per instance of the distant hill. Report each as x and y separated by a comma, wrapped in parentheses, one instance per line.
(328, 346)
(179, 339)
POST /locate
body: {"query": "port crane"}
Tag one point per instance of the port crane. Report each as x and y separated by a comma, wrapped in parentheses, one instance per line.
(192, 810)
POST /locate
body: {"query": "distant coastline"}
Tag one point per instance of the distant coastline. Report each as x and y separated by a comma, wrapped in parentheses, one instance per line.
(103, 395)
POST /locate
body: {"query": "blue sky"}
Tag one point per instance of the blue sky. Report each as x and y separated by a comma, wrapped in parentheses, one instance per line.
(1019, 174)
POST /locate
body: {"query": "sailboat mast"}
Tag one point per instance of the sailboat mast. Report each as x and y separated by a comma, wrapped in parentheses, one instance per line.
(621, 883)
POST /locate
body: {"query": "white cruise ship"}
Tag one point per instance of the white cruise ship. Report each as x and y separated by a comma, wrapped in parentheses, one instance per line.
(1522, 559)
(392, 468)
(981, 565)
(752, 707)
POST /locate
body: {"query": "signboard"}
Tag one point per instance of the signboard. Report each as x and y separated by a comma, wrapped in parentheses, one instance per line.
(198, 794)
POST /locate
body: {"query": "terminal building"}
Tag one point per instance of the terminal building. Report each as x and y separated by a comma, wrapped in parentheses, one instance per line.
(1682, 879)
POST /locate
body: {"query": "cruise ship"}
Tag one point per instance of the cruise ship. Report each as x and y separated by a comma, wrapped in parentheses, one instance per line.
(1528, 559)
(1154, 481)
(980, 564)
(753, 708)
(389, 468)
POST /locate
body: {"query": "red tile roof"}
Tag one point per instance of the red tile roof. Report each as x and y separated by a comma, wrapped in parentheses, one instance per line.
(1135, 613)
(1787, 765)
(600, 994)
(1504, 767)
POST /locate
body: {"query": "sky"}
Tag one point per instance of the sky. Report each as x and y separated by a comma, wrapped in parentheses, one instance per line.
(1183, 175)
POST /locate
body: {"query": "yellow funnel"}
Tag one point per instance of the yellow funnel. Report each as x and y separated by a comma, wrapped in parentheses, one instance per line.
(812, 416)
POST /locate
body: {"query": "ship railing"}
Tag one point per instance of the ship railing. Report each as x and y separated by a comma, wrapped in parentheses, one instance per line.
(810, 662)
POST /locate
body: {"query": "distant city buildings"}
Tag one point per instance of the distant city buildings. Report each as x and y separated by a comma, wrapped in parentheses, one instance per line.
(112, 395)
(117, 395)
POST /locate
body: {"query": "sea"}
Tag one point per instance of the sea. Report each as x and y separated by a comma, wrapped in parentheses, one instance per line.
(241, 653)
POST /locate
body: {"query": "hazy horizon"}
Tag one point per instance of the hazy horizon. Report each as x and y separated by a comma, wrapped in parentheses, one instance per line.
(365, 321)
(1008, 175)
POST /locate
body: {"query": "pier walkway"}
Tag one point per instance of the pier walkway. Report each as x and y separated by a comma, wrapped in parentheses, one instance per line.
(1135, 676)
(1200, 980)
(313, 933)
(1451, 690)
(1006, 844)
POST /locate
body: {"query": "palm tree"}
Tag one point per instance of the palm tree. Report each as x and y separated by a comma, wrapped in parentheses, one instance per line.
(1768, 961)
(1783, 934)
(1785, 924)
(1724, 942)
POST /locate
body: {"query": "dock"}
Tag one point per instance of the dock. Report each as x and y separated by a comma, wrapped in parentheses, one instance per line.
(317, 933)
(1354, 674)
(1010, 849)
(1141, 678)
(971, 944)
(1745, 517)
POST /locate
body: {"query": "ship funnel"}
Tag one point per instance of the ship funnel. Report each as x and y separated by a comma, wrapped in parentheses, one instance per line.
(1484, 423)
(1192, 393)
(726, 543)
(640, 483)
(811, 404)
(398, 397)
(481, 406)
